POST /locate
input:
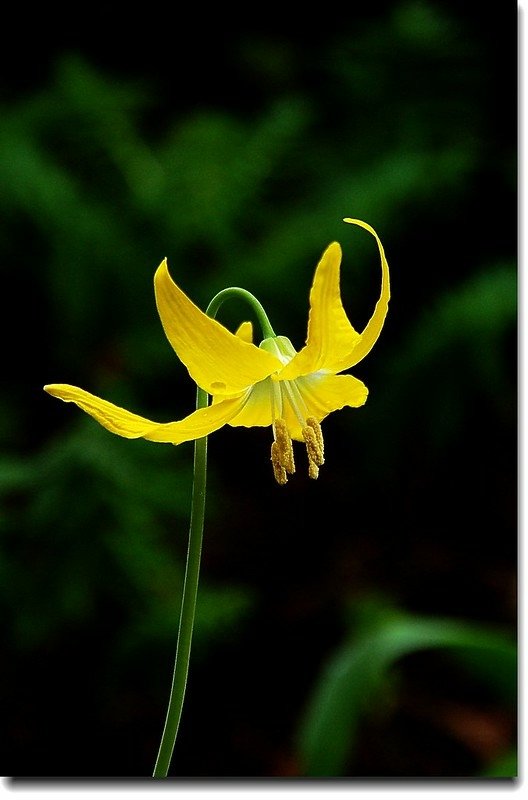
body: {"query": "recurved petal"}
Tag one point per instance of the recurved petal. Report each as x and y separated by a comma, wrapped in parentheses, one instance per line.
(332, 343)
(323, 393)
(117, 420)
(219, 361)
(330, 335)
(373, 327)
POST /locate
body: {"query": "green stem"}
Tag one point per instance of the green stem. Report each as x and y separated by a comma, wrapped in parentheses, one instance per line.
(194, 552)
(188, 608)
(234, 291)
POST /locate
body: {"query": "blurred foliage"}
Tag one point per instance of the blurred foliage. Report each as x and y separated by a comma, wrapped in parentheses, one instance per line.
(239, 170)
(356, 681)
(128, 518)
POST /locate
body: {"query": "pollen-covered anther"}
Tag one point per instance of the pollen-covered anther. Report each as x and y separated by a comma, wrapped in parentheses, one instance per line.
(313, 438)
(313, 441)
(284, 447)
(278, 469)
(313, 469)
(312, 422)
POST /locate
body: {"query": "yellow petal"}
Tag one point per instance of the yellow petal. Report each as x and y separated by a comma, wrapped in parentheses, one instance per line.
(331, 337)
(321, 394)
(218, 361)
(245, 331)
(332, 343)
(117, 420)
(257, 408)
(373, 328)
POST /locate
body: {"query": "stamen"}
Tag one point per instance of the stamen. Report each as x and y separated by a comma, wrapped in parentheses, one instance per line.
(291, 392)
(284, 446)
(287, 392)
(313, 470)
(276, 400)
(312, 422)
(313, 438)
(313, 446)
(278, 469)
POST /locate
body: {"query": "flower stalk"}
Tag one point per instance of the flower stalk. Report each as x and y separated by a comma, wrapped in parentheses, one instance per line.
(188, 606)
(194, 553)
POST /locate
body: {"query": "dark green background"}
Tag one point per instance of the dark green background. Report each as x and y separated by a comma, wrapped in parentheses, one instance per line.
(234, 147)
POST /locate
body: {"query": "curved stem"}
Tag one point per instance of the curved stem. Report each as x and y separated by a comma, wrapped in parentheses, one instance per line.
(188, 608)
(258, 308)
(194, 552)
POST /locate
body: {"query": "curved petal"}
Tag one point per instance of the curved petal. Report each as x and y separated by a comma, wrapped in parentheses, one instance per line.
(373, 327)
(131, 426)
(332, 343)
(330, 335)
(220, 362)
(320, 395)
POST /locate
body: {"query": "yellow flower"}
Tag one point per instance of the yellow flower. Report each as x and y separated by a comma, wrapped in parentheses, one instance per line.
(271, 384)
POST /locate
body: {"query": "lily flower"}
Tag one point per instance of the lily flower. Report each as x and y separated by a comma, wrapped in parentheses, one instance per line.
(269, 385)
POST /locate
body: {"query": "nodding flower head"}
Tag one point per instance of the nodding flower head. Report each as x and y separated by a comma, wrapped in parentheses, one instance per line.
(267, 385)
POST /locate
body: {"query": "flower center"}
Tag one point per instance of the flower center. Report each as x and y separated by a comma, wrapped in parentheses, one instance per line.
(287, 393)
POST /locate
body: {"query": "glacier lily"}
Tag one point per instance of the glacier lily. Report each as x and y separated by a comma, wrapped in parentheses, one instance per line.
(269, 385)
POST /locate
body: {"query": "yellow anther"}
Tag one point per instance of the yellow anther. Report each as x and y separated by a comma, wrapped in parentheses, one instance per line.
(312, 422)
(284, 446)
(282, 449)
(313, 446)
(313, 438)
(278, 469)
(313, 469)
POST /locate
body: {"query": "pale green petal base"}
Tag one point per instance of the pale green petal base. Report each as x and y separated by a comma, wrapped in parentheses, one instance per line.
(314, 396)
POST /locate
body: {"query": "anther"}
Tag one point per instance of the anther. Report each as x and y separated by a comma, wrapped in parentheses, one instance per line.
(312, 422)
(313, 446)
(278, 469)
(284, 446)
(313, 438)
(313, 469)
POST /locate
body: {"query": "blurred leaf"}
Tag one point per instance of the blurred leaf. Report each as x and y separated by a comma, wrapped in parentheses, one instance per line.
(16, 474)
(352, 682)
(476, 313)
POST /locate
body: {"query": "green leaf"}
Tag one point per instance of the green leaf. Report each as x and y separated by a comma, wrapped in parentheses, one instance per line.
(352, 679)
